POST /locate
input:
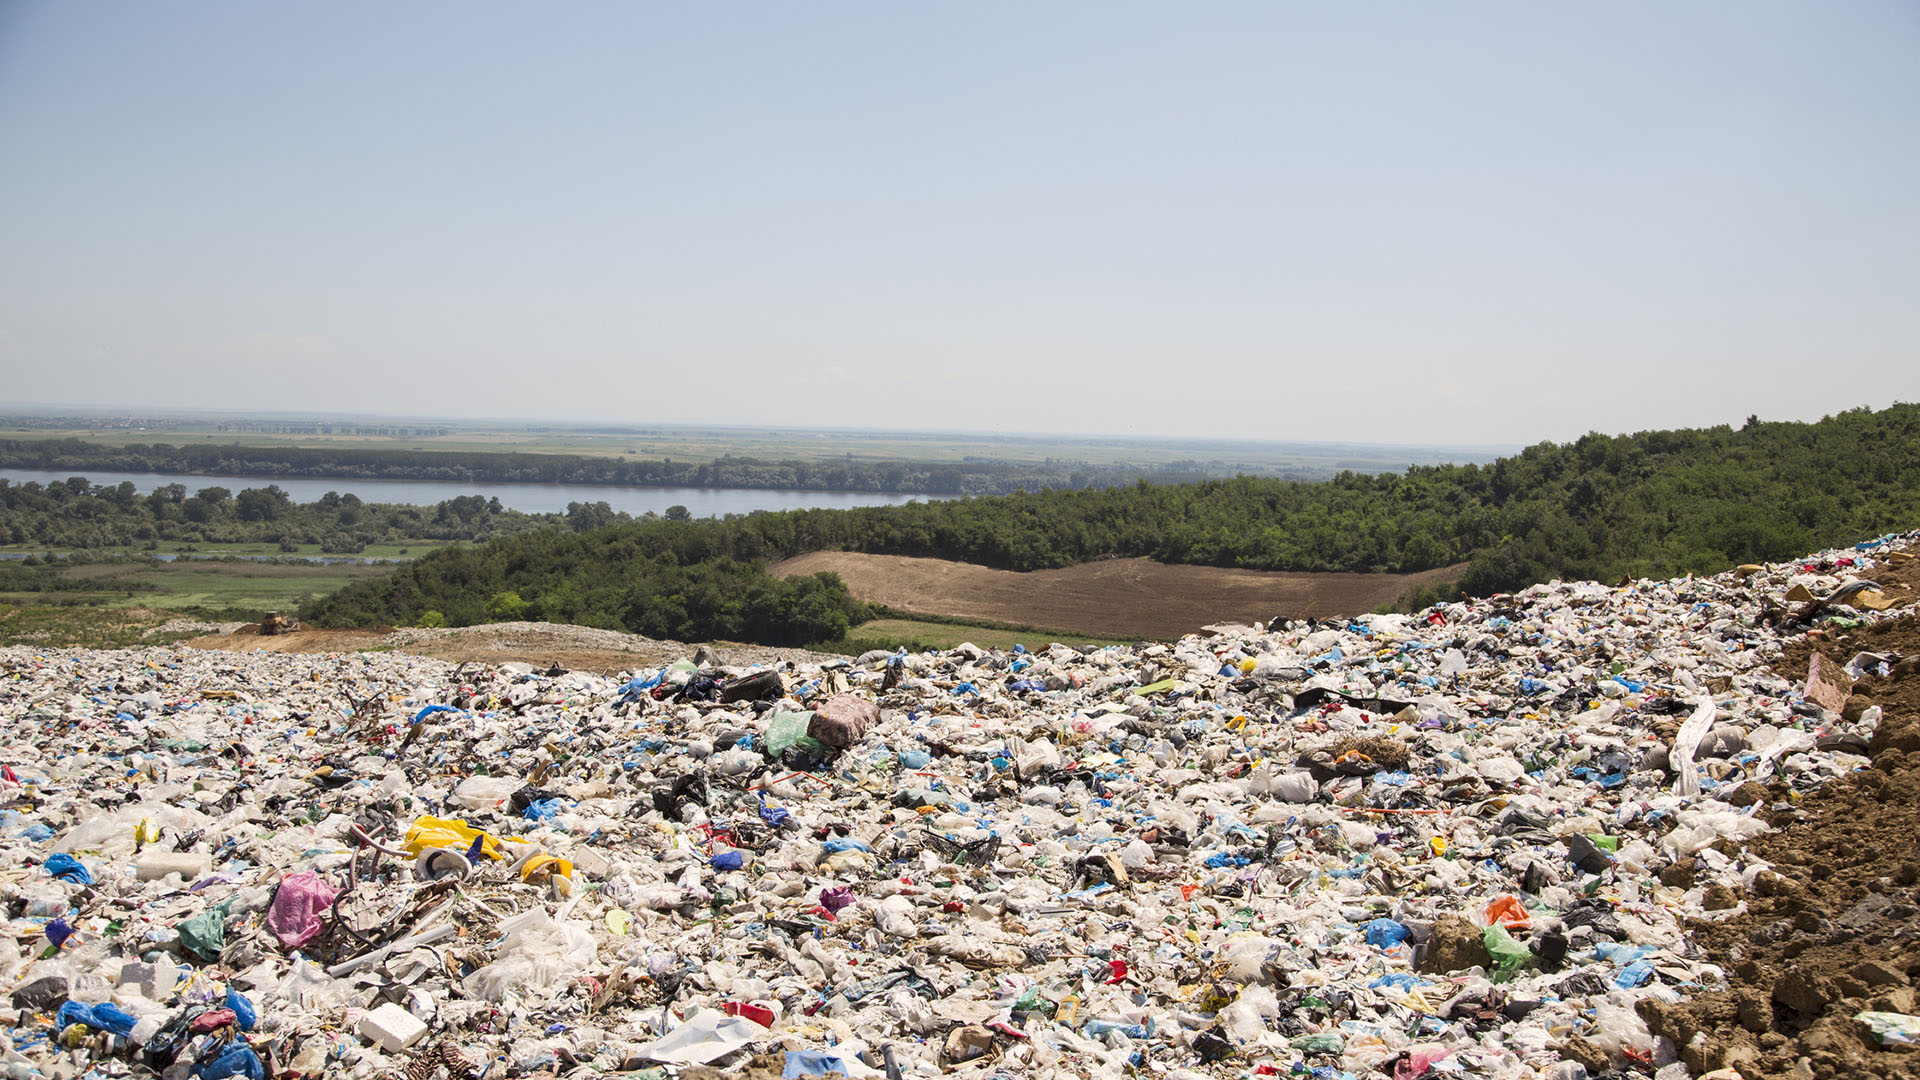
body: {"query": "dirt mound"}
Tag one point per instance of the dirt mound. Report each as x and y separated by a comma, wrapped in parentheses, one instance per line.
(575, 648)
(1113, 597)
(249, 639)
(1834, 930)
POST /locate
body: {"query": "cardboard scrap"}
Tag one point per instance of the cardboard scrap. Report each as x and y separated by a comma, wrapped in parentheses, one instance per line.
(1871, 600)
(1828, 684)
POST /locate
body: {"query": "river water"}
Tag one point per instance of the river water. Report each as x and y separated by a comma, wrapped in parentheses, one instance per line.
(527, 498)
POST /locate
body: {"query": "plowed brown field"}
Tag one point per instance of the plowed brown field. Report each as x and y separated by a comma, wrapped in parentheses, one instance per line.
(1113, 597)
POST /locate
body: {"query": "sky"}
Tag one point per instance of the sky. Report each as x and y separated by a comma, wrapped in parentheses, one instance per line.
(1473, 222)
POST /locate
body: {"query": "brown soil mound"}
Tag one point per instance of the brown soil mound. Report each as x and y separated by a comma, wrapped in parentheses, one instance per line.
(1836, 931)
(250, 639)
(1113, 597)
(575, 648)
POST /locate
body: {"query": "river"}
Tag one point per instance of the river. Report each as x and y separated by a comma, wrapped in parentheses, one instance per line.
(527, 498)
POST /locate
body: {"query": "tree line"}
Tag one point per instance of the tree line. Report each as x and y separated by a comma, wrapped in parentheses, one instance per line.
(972, 477)
(75, 514)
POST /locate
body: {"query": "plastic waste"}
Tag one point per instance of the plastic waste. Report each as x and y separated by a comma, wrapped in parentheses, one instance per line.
(704, 1037)
(104, 1016)
(784, 730)
(453, 834)
(1508, 954)
(1890, 1028)
(234, 1059)
(537, 953)
(298, 904)
(67, 868)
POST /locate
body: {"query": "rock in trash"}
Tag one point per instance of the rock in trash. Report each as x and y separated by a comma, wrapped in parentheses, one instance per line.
(843, 720)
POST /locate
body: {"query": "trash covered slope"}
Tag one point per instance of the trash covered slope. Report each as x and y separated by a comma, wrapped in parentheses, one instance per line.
(1491, 840)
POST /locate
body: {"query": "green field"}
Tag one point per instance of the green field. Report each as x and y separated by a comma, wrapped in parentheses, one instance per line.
(63, 626)
(240, 590)
(400, 549)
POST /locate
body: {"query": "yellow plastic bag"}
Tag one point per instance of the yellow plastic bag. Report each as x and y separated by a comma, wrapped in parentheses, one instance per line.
(431, 832)
(556, 866)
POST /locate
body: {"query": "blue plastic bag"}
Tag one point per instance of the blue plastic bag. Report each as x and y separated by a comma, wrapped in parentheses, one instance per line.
(67, 868)
(105, 1016)
(1386, 933)
(636, 689)
(236, 1059)
(243, 1011)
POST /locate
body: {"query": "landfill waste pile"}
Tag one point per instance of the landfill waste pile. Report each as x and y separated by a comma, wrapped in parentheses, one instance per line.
(1574, 832)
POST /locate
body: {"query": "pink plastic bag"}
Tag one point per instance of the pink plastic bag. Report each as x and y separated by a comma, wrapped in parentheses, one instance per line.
(1420, 1061)
(297, 907)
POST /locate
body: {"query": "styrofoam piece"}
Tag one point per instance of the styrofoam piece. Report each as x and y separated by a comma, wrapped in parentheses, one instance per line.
(154, 865)
(391, 1028)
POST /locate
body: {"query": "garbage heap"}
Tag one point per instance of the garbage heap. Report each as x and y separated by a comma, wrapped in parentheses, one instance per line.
(1464, 843)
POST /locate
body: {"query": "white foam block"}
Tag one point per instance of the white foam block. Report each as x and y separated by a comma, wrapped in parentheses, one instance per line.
(392, 1027)
(155, 865)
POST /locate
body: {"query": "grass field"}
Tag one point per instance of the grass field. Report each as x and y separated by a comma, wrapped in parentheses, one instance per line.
(217, 586)
(223, 590)
(63, 626)
(402, 549)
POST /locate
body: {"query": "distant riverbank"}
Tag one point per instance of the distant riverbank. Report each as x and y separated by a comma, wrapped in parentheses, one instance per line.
(527, 498)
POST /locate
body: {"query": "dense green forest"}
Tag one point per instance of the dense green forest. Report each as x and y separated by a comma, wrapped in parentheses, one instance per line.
(78, 515)
(1651, 504)
(619, 578)
(348, 463)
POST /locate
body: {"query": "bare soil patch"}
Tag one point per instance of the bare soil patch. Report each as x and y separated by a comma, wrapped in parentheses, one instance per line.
(249, 639)
(574, 648)
(1113, 597)
(1834, 930)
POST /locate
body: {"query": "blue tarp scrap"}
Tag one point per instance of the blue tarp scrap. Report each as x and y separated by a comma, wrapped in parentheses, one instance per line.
(802, 1063)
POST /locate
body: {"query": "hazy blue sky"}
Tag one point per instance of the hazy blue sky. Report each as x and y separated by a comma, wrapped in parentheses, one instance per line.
(1431, 222)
